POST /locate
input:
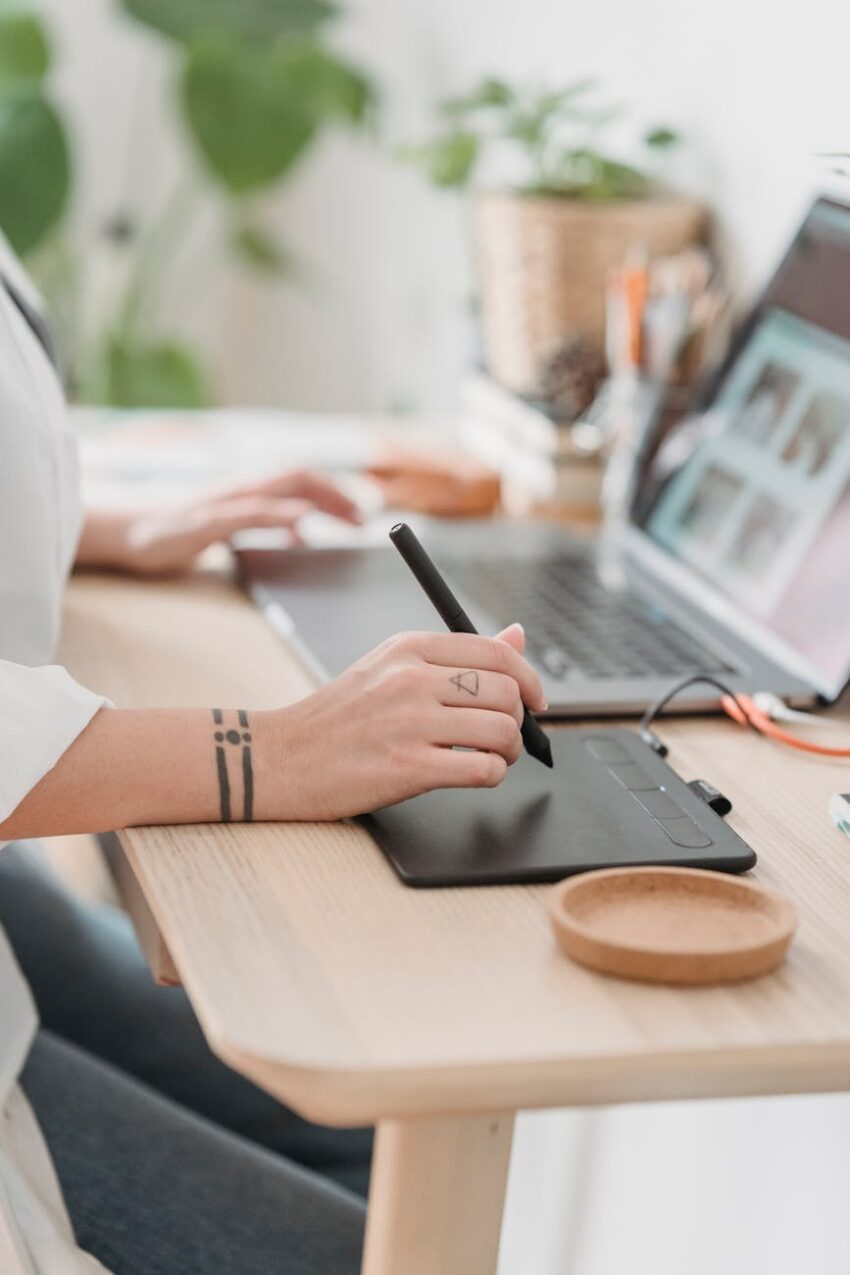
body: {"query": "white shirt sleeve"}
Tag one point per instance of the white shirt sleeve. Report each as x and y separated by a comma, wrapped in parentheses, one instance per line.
(42, 711)
(40, 514)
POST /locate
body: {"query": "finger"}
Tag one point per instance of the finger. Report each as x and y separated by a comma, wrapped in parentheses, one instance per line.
(473, 651)
(328, 497)
(479, 728)
(514, 635)
(219, 522)
(455, 769)
(469, 688)
(320, 491)
(250, 513)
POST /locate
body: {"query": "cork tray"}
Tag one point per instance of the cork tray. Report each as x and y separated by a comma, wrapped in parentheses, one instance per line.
(671, 925)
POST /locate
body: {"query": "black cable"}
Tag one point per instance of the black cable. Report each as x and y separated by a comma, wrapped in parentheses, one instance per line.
(695, 679)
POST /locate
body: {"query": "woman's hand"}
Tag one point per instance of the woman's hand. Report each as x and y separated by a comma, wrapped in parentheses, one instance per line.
(391, 726)
(164, 541)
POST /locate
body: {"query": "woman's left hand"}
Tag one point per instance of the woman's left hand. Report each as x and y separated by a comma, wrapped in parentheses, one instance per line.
(167, 540)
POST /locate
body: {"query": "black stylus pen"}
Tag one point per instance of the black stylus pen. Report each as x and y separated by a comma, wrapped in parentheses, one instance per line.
(454, 617)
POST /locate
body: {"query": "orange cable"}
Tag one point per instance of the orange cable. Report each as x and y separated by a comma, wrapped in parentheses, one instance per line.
(760, 721)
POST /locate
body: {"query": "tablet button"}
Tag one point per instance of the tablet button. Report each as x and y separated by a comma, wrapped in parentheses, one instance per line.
(685, 832)
(633, 777)
(605, 749)
(660, 804)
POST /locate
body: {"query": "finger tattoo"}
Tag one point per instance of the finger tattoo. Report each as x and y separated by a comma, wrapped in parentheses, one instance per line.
(467, 681)
(227, 742)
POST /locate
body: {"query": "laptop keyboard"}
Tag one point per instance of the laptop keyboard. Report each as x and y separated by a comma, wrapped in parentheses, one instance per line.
(573, 623)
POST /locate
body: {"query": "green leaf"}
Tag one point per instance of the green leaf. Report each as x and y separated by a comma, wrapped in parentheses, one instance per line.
(662, 138)
(594, 176)
(448, 161)
(489, 93)
(254, 109)
(258, 249)
(35, 169)
(164, 374)
(24, 50)
(245, 112)
(186, 20)
(584, 173)
(530, 121)
(333, 88)
(534, 117)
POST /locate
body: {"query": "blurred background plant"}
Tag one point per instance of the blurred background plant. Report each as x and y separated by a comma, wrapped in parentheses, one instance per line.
(257, 85)
(554, 133)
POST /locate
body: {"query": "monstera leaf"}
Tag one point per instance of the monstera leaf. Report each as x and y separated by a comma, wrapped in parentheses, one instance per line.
(255, 108)
(246, 112)
(185, 20)
(334, 89)
(35, 170)
(257, 85)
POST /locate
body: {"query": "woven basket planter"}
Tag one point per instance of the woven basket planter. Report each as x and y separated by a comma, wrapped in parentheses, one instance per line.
(543, 263)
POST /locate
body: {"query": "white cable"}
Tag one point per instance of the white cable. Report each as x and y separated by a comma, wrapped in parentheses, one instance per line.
(778, 711)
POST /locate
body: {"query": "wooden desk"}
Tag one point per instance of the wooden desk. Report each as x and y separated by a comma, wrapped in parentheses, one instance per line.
(439, 1014)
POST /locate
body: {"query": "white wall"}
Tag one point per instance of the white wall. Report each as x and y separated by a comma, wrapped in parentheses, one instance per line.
(758, 87)
(754, 1187)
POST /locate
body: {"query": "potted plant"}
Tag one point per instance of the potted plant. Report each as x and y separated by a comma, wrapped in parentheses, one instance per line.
(569, 213)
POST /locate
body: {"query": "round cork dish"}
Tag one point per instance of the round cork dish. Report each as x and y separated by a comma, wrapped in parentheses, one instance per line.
(671, 925)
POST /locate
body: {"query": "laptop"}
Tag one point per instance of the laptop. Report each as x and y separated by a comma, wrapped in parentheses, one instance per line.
(735, 560)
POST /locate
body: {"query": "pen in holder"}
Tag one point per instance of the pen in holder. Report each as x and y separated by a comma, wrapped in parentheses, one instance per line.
(662, 325)
(629, 408)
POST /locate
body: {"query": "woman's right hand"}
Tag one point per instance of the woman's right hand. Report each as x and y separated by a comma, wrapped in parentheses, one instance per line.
(391, 726)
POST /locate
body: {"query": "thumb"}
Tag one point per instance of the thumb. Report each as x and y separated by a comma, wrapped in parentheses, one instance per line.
(513, 635)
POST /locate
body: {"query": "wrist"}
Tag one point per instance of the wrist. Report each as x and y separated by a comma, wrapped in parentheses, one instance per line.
(265, 750)
(275, 757)
(106, 541)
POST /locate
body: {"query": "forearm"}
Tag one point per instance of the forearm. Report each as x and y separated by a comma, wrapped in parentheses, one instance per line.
(104, 540)
(140, 766)
(422, 711)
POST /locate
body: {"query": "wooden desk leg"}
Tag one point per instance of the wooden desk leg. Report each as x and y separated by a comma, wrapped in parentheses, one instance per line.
(437, 1195)
(130, 893)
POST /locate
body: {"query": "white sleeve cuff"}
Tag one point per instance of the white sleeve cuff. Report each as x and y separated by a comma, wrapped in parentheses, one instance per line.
(42, 711)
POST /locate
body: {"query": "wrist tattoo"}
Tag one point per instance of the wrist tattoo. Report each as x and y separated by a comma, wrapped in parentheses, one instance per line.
(467, 681)
(230, 771)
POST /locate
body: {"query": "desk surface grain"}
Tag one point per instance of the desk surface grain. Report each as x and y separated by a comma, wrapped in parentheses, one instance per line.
(313, 970)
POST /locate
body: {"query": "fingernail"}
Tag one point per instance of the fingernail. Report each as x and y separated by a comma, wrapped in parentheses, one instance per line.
(516, 625)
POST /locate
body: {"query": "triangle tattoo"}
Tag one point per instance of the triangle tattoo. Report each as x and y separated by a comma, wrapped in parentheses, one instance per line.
(466, 681)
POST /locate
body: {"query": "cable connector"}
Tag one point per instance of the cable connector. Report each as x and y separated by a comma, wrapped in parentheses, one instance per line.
(655, 743)
(778, 711)
(712, 796)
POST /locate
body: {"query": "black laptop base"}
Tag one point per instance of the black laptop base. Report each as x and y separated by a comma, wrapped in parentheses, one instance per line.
(609, 802)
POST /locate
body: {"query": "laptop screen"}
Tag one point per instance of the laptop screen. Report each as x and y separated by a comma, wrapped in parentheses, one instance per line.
(753, 492)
